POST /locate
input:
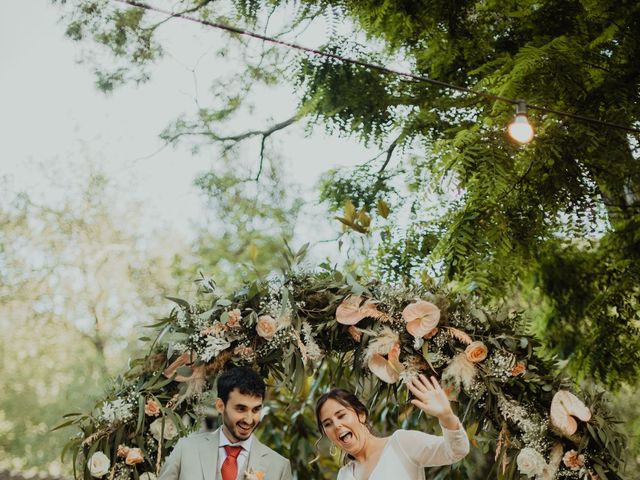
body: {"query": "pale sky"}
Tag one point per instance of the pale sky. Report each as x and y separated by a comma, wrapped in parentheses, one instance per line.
(51, 112)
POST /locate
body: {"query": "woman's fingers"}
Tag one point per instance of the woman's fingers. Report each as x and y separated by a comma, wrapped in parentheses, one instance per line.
(416, 387)
(420, 405)
(426, 384)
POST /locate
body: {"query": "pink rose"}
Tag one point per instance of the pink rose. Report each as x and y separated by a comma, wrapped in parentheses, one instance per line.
(233, 318)
(266, 327)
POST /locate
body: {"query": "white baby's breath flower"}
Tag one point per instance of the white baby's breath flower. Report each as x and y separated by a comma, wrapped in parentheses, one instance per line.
(181, 318)
(313, 349)
(117, 410)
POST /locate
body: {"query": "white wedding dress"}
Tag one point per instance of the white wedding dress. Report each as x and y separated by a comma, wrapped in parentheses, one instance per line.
(407, 452)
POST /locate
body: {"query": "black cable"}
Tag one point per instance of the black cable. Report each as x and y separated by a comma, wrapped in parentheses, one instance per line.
(379, 68)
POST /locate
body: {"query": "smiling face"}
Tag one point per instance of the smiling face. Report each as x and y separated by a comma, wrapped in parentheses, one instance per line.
(240, 415)
(343, 426)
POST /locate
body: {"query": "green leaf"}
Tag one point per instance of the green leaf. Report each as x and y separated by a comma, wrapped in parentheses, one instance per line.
(600, 471)
(63, 425)
(179, 301)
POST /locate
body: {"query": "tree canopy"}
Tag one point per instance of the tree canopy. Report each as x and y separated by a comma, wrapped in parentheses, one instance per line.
(555, 221)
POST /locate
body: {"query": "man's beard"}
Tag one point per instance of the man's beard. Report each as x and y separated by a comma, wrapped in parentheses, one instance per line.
(232, 430)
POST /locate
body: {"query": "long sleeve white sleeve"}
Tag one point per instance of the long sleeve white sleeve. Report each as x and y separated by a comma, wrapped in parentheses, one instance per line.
(426, 450)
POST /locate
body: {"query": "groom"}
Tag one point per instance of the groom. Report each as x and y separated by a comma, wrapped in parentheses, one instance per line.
(231, 451)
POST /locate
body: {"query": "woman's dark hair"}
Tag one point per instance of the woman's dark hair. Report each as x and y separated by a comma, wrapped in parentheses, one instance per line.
(246, 380)
(343, 397)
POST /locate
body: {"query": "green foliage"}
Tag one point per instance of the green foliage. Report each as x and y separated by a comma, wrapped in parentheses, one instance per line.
(350, 98)
(74, 272)
(249, 221)
(362, 186)
(595, 298)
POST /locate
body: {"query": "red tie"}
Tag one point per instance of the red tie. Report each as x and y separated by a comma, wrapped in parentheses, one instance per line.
(229, 468)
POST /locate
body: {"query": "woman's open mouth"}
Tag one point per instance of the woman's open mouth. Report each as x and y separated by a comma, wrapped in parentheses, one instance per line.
(346, 437)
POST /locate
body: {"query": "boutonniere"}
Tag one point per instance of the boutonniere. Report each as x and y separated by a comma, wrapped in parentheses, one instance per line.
(252, 474)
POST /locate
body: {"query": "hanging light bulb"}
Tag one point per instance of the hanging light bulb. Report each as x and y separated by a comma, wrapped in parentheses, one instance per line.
(520, 129)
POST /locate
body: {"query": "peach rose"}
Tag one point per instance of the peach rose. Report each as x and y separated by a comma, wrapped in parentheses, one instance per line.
(233, 318)
(134, 457)
(266, 327)
(572, 460)
(122, 451)
(476, 352)
(518, 369)
(152, 408)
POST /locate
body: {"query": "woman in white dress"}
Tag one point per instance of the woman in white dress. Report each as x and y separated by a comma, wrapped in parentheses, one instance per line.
(342, 418)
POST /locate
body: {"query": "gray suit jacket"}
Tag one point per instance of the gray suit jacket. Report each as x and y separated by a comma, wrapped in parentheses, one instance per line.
(195, 457)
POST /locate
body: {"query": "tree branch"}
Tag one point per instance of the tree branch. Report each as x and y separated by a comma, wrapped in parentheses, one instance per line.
(390, 150)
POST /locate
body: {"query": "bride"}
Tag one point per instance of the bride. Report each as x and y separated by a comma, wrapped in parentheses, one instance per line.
(342, 417)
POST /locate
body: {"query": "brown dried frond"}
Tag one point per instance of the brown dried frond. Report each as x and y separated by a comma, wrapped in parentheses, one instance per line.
(219, 363)
(460, 335)
(373, 312)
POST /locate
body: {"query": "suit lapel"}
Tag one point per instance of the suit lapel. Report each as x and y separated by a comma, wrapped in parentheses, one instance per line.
(209, 456)
(256, 461)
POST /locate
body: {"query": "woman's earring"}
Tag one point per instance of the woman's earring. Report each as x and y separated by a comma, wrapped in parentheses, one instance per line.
(333, 451)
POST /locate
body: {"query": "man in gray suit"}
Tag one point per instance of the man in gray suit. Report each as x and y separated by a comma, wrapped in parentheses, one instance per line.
(231, 452)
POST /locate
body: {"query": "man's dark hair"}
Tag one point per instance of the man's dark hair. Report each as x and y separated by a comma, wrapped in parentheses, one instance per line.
(246, 380)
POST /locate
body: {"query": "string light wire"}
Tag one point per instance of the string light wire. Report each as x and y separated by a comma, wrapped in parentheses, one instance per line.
(380, 68)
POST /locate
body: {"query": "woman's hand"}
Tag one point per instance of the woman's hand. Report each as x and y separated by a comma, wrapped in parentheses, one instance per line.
(432, 400)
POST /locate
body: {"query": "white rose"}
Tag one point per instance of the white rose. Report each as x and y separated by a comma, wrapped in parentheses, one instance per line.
(170, 430)
(98, 465)
(530, 462)
(148, 476)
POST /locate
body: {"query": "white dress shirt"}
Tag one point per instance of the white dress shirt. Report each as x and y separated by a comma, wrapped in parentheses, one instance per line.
(242, 457)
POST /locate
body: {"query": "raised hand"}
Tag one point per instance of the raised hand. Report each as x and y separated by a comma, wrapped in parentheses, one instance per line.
(432, 400)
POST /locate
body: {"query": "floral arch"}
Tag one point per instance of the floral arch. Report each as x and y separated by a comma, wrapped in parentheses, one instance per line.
(306, 331)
